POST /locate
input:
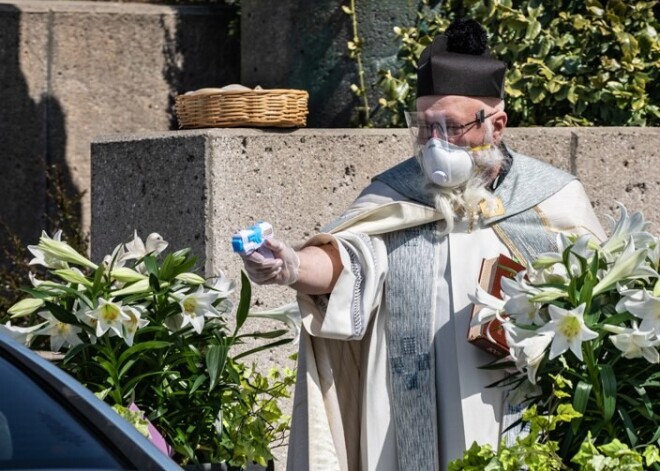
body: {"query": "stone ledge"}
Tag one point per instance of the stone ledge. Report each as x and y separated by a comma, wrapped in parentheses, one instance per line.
(40, 6)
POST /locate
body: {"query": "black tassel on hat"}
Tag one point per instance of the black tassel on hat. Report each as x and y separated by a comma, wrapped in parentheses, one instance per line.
(458, 63)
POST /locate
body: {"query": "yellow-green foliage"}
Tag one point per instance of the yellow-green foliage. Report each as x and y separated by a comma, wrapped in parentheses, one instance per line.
(534, 452)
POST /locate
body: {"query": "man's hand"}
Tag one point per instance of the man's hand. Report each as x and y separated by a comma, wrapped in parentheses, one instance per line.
(282, 269)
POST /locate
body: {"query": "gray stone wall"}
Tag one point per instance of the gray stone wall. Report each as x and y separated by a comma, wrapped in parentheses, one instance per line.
(197, 187)
(70, 71)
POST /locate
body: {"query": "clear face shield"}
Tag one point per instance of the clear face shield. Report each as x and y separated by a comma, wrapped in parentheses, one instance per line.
(444, 163)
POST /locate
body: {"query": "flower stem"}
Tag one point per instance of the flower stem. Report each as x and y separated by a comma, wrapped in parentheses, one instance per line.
(594, 375)
(112, 360)
(365, 119)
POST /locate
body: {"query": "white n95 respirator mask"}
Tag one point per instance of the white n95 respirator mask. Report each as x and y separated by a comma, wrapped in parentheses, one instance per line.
(446, 164)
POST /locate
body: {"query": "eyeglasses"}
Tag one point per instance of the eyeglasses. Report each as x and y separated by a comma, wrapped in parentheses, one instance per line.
(450, 130)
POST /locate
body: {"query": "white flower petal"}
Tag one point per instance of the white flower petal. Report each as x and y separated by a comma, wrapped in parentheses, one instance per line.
(289, 314)
(22, 335)
(155, 243)
(569, 330)
(559, 346)
(651, 355)
(223, 286)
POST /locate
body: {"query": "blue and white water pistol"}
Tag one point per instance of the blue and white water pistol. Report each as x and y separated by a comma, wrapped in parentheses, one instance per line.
(246, 241)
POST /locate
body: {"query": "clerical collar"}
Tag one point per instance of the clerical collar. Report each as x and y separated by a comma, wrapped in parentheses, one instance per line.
(504, 168)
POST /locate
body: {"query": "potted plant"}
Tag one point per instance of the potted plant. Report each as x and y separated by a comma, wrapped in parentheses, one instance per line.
(583, 329)
(143, 331)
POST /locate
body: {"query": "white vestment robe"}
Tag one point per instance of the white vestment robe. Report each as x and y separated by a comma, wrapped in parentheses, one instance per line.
(342, 411)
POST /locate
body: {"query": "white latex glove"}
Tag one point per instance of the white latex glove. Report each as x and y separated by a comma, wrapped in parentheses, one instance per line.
(282, 269)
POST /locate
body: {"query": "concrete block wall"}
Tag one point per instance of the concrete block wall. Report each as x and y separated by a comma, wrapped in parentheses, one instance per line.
(197, 187)
(71, 70)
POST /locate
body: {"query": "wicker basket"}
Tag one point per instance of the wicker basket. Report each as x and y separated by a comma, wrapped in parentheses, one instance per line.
(217, 108)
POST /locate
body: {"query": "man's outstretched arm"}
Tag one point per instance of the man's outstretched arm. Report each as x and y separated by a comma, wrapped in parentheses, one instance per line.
(312, 270)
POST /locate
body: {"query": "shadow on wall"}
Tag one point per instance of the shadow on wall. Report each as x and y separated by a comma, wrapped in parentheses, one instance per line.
(202, 52)
(322, 66)
(32, 131)
(301, 45)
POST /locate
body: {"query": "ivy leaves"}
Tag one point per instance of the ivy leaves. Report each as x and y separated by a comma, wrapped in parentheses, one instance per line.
(571, 63)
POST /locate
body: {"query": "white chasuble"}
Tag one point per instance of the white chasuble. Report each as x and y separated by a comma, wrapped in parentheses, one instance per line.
(342, 411)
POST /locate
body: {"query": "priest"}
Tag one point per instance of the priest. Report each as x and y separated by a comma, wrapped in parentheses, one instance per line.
(386, 377)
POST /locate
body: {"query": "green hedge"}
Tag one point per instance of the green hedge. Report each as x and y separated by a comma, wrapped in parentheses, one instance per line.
(571, 62)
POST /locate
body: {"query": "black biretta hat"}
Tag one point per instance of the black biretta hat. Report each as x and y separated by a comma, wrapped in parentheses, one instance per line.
(458, 63)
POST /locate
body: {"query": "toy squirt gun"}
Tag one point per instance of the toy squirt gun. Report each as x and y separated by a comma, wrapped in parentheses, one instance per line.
(246, 241)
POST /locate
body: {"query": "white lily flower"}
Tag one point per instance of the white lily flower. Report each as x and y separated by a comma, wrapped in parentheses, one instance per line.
(60, 333)
(289, 314)
(25, 307)
(645, 240)
(82, 312)
(569, 330)
(109, 316)
(565, 241)
(225, 307)
(62, 251)
(141, 286)
(34, 280)
(37, 283)
(491, 306)
(630, 264)
(548, 259)
(22, 335)
(527, 348)
(53, 249)
(533, 351)
(73, 275)
(126, 275)
(518, 303)
(133, 323)
(555, 273)
(549, 294)
(44, 258)
(222, 285)
(515, 334)
(643, 305)
(195, 307)
(586, 246)
(583, 247)
(627, 294)
(654, 252)
(190, 278)
(136, 249)
(627, 226)
(635, 343)
(116, 256)
(568, 242)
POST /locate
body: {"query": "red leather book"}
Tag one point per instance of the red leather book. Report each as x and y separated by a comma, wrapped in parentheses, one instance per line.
(490, 335)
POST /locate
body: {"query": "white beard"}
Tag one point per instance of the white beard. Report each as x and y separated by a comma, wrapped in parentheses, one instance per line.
(463, 201)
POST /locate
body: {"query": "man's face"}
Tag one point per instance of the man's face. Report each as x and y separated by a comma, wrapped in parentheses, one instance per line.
(458, 115)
